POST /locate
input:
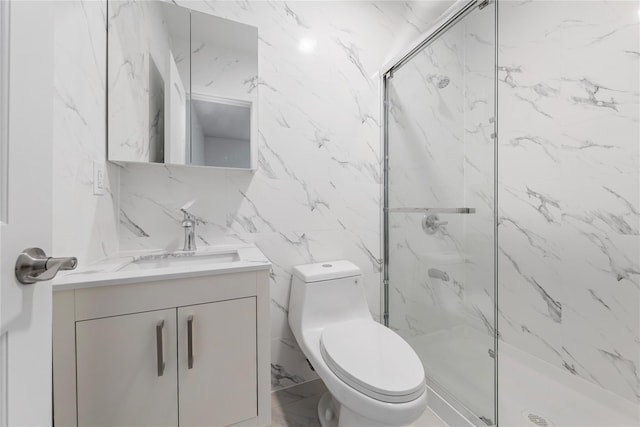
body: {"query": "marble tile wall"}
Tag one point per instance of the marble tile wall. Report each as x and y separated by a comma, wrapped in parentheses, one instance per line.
(316, 193)
(569, 179)
(85, 225)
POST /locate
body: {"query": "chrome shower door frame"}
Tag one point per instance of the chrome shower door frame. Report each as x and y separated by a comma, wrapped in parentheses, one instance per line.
(451, 17)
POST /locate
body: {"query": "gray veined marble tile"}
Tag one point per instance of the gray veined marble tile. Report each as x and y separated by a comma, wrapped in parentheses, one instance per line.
(568, 165)
(297, 393)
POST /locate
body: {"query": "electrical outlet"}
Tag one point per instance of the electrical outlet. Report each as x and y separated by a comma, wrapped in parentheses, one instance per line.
(98, 178)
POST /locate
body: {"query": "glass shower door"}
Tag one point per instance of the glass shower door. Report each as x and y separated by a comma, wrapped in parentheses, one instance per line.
(440, 209)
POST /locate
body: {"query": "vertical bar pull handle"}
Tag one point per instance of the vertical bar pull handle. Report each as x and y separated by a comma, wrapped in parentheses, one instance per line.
(160, 347)
(190, 342)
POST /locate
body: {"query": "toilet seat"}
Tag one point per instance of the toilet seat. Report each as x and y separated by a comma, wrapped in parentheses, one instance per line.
(373, 360)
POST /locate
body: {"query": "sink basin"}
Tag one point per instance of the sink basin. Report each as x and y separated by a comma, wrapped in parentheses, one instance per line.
(180, 259)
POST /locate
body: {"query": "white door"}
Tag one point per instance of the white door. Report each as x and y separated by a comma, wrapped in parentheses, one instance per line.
(26, 95)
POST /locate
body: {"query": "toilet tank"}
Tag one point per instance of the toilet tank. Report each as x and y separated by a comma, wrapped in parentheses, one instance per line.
(326, 293)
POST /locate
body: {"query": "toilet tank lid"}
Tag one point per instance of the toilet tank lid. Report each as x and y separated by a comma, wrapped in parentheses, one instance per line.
(329, 270)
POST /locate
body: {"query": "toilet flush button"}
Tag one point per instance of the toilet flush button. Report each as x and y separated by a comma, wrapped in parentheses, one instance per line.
(327, 265)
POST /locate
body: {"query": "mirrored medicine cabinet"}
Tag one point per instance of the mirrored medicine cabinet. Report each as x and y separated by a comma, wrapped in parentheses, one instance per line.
(182, 87)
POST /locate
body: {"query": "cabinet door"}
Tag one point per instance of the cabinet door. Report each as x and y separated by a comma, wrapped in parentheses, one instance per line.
(119, 377)
(219, 386)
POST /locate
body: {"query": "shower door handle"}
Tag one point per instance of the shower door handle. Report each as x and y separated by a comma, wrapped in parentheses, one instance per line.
(432, 210)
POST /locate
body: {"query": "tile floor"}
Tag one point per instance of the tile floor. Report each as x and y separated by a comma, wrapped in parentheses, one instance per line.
(297, 407)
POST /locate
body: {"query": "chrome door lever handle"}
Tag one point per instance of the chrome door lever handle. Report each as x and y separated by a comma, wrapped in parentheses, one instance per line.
(33, 265)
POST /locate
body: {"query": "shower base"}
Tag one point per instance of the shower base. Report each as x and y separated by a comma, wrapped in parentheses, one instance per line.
(531, 391)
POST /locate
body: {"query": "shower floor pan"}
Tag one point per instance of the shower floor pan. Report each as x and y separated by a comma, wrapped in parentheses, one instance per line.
(531, 391)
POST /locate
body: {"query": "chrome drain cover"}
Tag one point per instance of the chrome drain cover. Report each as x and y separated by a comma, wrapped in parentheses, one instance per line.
(536, 419)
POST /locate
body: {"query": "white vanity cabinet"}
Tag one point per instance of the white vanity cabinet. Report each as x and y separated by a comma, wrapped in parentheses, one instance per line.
(181, 352)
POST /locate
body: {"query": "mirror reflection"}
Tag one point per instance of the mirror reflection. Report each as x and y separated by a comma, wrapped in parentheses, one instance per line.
(224, 77)
(148, 105)
(220, 134)
(182, 86)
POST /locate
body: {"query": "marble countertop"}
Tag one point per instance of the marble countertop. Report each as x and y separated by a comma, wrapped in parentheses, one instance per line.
(113, 270)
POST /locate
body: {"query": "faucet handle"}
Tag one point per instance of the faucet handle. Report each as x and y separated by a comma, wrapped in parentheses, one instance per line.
(432, 223)
(188, 216)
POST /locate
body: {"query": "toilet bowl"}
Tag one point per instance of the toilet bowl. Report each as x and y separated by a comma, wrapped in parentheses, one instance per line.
(373, 376)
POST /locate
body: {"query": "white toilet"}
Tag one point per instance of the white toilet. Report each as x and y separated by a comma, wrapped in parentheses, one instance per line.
(374, 377)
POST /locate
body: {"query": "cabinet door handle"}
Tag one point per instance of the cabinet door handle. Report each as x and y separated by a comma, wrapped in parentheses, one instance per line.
(190, 342)
(160, 347)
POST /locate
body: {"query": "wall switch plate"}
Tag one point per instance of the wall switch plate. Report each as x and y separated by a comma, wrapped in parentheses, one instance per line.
(98, 178)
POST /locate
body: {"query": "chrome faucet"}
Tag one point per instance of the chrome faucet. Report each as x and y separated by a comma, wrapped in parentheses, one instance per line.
(189, 225)
(432, 223)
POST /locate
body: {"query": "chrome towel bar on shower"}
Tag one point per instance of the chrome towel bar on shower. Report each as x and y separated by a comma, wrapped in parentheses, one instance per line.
(432, 210)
